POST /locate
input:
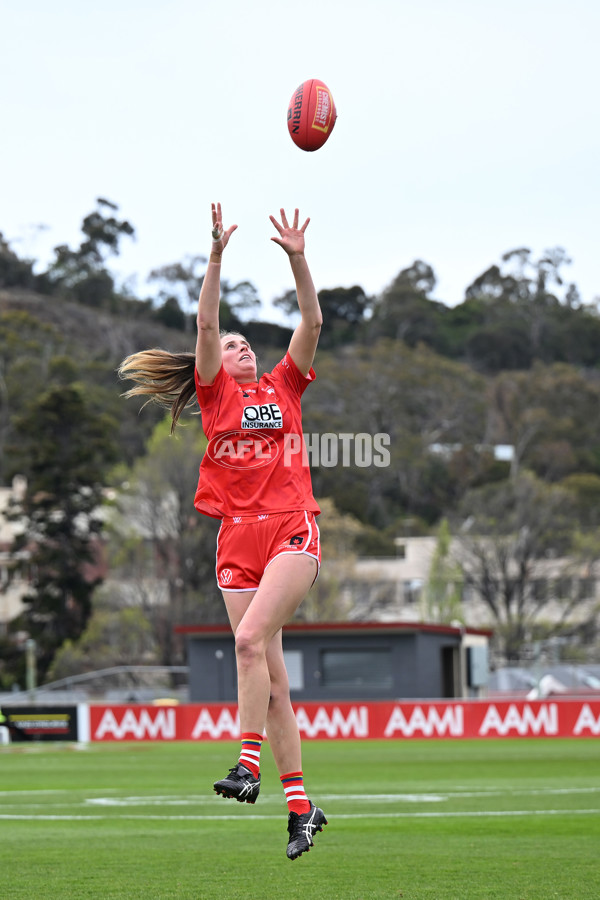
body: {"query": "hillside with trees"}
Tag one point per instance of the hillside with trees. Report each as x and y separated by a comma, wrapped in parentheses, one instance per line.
(515, 364)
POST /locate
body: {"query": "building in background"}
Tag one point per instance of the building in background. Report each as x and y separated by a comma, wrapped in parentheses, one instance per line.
(395, 588)
(351, 661)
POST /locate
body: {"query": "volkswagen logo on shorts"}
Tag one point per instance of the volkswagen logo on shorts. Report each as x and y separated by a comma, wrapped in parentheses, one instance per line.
(242, 450)
(226, 576)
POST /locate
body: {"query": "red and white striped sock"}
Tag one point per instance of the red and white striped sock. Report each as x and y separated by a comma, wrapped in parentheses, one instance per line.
(250, 752)
(293, 786)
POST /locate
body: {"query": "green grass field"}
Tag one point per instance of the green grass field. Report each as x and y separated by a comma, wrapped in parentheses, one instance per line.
(443, 820)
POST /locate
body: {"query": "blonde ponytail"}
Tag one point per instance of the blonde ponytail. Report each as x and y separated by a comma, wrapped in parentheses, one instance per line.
(165, 378)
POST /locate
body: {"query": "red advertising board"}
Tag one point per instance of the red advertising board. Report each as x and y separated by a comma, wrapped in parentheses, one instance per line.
(400, 721)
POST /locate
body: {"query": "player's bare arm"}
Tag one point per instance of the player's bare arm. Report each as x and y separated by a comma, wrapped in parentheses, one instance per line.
(303, 343)
(208, 344)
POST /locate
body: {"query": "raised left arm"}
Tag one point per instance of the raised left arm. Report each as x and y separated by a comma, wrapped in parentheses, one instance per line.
(303, 343)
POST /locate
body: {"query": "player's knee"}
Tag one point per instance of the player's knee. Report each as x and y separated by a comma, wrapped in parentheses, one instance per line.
(279, 694)
(247, 647)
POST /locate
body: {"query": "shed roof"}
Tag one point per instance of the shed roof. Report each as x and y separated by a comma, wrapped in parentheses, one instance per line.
(213, 631)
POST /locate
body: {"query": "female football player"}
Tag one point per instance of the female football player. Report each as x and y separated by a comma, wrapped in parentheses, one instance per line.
(254, 477)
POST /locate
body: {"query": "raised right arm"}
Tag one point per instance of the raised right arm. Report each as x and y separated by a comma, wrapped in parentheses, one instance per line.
(208, 342)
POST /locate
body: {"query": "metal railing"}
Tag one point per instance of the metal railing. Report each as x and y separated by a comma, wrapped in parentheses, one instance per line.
(135, 683)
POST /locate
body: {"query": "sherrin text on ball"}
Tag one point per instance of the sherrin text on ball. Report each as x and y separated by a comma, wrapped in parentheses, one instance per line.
(311, 115)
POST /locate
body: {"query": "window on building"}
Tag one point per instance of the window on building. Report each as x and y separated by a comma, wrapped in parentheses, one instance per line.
(294, 663)
(412, 589)
(467, 592)
(563, 588)
(357, 668)
(586, 589)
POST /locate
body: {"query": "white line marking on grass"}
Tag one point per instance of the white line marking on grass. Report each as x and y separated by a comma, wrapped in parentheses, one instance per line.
(203, 798)
(169, 799)
(411, 798)
(174, 800)
(457, 795)
(83, 790)
(45, 791)
(384, 815)
(521, 792)
(476, 814)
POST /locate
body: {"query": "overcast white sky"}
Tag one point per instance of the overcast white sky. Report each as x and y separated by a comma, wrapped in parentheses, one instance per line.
(465, 129)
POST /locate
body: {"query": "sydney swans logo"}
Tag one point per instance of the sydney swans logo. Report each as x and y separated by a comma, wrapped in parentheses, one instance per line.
(241, 450)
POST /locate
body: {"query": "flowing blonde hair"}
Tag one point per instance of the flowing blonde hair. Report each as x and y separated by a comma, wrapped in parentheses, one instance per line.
(165, 378)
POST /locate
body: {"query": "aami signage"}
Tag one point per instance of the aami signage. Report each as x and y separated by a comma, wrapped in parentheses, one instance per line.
(471, 719)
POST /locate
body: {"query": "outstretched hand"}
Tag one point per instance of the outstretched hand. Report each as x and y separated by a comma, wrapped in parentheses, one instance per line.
(220, 237)
(291, 238)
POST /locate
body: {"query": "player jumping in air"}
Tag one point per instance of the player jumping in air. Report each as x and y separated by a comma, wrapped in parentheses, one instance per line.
(255, 479)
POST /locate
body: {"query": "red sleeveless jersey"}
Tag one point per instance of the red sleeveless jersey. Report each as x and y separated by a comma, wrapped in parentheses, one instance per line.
(256, 459)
